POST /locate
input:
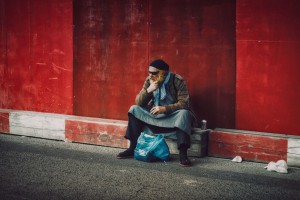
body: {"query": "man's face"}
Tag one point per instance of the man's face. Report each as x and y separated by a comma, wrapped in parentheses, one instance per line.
(156, 75)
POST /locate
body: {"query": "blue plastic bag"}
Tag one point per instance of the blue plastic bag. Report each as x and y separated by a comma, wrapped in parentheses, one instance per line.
(151, 148)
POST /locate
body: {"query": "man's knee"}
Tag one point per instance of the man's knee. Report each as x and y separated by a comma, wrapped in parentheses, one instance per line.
(133, 108)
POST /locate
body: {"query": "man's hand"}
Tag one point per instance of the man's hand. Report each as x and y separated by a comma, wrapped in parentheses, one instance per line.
(153, 86)
(157, 110)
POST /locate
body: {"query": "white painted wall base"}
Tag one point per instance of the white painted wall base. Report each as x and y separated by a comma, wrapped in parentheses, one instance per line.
(43, 125)
(293, 152)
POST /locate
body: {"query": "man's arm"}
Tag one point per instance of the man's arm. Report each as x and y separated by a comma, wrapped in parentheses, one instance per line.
(143, 97)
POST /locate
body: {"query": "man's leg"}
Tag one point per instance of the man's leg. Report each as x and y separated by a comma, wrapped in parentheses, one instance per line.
(183, 143)
(134, 129)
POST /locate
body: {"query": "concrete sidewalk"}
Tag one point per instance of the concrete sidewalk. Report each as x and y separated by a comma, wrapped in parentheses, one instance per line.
(33, 168)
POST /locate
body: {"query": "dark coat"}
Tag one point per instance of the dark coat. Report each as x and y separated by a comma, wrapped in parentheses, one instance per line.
(178, 90)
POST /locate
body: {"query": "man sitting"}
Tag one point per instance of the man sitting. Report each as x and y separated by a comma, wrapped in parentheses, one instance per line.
(163, 106)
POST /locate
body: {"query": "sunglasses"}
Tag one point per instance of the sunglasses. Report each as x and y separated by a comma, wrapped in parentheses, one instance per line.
(153, 73)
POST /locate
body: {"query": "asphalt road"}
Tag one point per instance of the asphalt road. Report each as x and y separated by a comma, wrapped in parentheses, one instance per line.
(32, 168)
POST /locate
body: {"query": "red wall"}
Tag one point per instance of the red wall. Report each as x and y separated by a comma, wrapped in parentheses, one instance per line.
(240, 59)
(36, 55)
(110, 55)
(114, 43)
(268, 49)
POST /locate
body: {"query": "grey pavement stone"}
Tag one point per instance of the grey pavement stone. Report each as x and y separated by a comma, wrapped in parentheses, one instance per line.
(32, 168)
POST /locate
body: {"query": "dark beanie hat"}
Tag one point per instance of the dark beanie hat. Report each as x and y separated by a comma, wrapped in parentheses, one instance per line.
(160, 64)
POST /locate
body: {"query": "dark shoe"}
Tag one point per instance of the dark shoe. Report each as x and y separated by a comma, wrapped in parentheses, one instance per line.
(184, 161)
(125, 154)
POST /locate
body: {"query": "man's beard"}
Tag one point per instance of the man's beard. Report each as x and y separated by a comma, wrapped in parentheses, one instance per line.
(161, 76)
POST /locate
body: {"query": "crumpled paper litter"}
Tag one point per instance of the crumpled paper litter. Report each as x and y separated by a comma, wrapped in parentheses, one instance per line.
(280, 166)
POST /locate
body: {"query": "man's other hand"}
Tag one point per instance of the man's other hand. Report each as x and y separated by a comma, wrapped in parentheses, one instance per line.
(157, 110)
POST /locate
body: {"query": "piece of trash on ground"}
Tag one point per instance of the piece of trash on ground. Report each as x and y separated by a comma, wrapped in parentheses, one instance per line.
(280, 166)
(237, 159)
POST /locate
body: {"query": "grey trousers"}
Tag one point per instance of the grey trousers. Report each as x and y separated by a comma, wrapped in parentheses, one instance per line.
(136, 126)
